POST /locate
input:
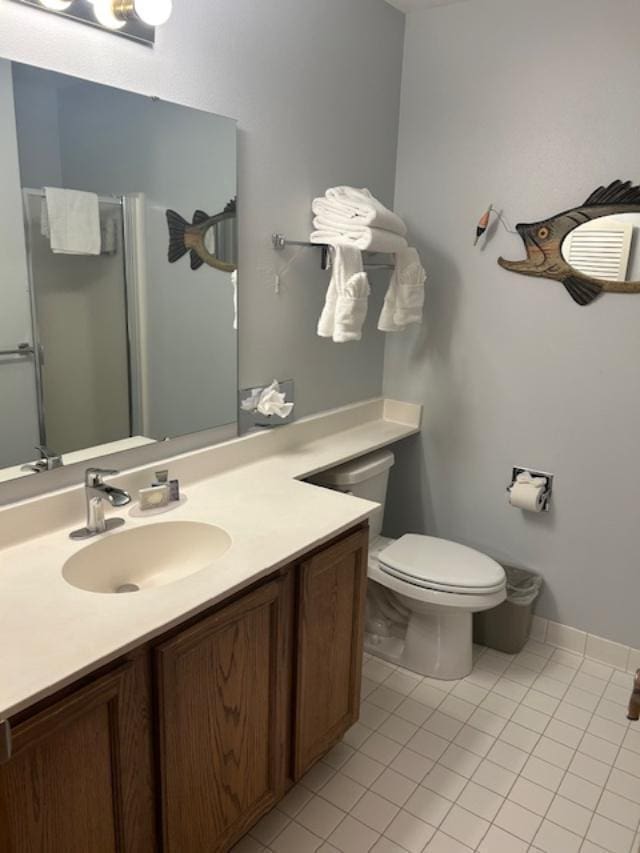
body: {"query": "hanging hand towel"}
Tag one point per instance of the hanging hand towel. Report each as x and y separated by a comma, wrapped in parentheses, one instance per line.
(404, 302)
(347, 301)
(358, 207)
(74, 222)
(365, 239)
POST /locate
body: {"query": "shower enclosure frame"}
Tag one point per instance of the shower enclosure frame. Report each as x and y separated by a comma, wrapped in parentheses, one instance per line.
(130, 273)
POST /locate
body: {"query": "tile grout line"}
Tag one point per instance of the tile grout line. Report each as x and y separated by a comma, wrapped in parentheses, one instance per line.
(464, 723)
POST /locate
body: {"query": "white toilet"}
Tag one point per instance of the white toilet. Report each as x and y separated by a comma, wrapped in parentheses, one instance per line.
(422, 591)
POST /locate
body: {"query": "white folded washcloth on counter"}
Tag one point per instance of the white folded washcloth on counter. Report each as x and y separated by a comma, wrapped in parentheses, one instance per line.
(351, 206)
(347, 299)
(365, 239)
(73, 219)
(404, 302)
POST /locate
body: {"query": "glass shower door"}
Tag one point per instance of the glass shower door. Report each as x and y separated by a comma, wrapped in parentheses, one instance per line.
(79, 312)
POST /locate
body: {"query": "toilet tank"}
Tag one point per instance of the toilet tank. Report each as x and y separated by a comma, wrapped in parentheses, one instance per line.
(365, 477)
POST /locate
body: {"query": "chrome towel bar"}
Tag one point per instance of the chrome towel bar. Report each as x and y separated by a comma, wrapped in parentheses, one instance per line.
(280, 242)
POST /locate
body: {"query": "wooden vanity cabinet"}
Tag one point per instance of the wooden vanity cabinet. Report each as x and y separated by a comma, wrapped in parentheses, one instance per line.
(330, 631)
(183, 745)
(80, 773)
(223, 716)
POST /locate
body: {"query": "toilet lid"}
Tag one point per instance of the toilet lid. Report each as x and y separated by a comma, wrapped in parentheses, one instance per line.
(442, 565)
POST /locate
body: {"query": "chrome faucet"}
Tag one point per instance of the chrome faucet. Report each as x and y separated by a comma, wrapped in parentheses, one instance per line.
(47, 462)
(96, 493)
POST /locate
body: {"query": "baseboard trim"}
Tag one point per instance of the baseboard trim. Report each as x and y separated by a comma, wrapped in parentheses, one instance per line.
(582, 643)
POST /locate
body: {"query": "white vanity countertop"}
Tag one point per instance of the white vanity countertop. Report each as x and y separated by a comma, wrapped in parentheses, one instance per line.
(52, 633)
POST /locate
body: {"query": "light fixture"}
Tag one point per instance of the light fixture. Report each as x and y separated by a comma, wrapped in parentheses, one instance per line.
(106, 16)
(151, 12)
(56, 5)
(133, 19)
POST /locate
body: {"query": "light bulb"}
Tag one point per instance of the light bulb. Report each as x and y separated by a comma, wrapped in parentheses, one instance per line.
(56, 5)
(103, 10)
(153, 12)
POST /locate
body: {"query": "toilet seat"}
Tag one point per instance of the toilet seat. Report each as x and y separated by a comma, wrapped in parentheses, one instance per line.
(436, 564)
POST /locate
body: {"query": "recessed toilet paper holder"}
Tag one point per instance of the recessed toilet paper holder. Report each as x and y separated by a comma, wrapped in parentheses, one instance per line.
(548, 477)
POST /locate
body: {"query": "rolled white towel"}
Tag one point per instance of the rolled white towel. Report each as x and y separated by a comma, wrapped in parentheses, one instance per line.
(365, 239)
(351, 309)
(359, 207)
(404, 302)
(347, 300)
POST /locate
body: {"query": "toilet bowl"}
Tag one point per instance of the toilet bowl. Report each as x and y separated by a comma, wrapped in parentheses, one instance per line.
(441, 584)
(423, 591)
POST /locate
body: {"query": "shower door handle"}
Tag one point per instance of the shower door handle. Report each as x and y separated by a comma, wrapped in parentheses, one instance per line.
(20, 349)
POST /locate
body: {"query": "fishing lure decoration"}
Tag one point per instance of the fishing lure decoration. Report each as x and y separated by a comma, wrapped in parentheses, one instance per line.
(483, 224)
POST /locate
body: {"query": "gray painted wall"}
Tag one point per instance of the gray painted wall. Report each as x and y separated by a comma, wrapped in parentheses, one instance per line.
(529, 106)
(315, 87)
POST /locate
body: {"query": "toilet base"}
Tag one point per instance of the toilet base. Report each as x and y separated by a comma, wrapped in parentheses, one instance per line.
(390, 649)
(438, 644)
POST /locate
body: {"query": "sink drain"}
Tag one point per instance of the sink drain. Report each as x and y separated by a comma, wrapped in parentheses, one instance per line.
(128, 587)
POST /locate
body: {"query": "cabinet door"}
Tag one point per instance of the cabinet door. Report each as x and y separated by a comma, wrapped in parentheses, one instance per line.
(330, 637)
(79, 777)
(222, 708)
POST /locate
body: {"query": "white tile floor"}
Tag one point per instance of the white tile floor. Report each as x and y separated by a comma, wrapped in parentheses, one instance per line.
(529, 753)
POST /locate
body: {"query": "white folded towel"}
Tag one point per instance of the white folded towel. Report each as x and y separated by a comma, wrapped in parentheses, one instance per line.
(74, 221)
(349, 205)
(347, 300)
(365, 239)
(404, 302)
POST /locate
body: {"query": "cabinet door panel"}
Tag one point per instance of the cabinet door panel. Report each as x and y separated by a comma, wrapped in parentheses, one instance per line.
(330, 637)
(222, 710)
(80, 774)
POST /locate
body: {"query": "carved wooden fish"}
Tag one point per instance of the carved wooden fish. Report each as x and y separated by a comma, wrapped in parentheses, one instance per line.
(543, 242)
(190, 237)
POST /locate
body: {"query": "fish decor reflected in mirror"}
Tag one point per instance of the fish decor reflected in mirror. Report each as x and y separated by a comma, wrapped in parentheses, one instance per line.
(591, 249)
(210, 239)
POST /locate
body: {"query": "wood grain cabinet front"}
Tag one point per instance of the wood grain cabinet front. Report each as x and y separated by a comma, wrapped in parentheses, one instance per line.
(222, 721)
(186, 743)
(330, 632)
(79, 779)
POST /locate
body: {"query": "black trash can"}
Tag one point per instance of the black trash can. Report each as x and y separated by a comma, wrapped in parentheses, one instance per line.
(506, 628)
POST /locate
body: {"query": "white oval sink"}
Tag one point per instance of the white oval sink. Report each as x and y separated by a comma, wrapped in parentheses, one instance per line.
(146, 557)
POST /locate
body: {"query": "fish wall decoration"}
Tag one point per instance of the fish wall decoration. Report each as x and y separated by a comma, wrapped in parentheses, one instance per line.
(544, 244)
(191, 237)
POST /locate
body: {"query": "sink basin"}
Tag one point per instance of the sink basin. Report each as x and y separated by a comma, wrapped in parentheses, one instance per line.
(146, 557)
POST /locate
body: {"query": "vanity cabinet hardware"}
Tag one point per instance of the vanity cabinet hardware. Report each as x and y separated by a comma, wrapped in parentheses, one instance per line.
(5, 741)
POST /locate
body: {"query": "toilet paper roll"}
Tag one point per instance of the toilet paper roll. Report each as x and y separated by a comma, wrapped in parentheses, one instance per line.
(527, 496)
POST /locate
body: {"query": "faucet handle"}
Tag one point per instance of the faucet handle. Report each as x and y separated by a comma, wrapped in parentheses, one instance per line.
(93, 476)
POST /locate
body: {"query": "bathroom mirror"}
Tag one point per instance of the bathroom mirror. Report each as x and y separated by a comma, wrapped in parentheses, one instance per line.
(592, 249)
(118, 305)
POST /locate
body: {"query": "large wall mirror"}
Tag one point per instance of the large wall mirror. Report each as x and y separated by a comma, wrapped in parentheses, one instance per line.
(118, 311)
